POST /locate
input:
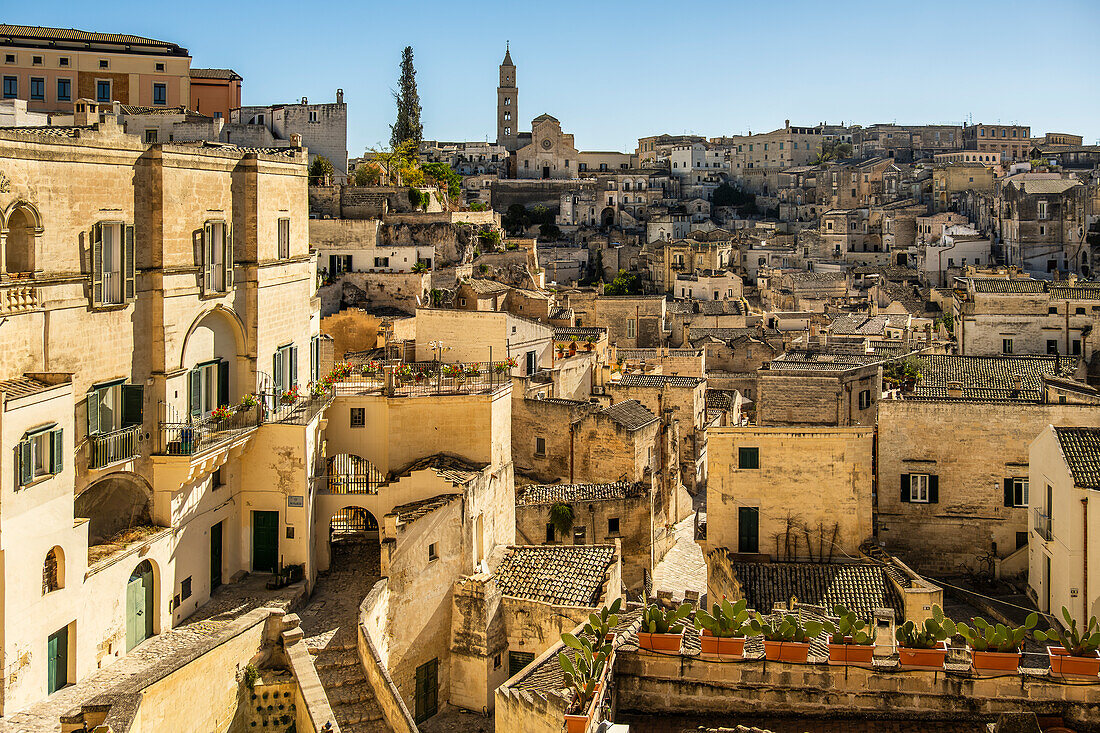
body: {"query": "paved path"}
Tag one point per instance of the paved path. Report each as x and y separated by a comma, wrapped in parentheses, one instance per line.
(683, 567)
(227, 604)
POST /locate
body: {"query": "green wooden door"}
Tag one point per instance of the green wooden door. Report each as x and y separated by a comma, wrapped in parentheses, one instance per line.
(215, 556)
(265, 541)
(57, 661)
(748, 529)
(139, 605)
(427, 684)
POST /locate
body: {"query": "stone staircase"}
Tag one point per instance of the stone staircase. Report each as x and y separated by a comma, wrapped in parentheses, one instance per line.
(330, 622)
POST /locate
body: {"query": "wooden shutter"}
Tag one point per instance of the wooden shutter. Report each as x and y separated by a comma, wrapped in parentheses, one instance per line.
(207, 264)
(128, 268)
(223, 383)
(905, 487)
(195, 390)
(227, 233)
(93, 412)
(97, 263)
(276, 370)
(24, 462)
(57, 459)
(1008, 493)
(933, 489)
(293, 365)
(133, 398)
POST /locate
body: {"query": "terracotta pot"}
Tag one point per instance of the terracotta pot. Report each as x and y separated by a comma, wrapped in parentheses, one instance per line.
(577, 723)
(1066, 665)
(787, 651)
(660, 642)
(923, 658)
(986, 661)
(854, 654)
(729, 646)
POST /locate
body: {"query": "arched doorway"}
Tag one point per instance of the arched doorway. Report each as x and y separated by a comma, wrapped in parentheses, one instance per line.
(19, 248)
(140, 605)
(210, 357)
(607, 217)
(353, 541)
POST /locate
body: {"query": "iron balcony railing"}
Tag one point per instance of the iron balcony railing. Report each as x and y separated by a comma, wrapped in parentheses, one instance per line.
(186, 438)
(118, 445)
(1043, 525)
(348, 474)
(299, 410)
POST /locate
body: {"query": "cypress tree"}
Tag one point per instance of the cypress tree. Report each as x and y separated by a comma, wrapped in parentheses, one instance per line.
(407, 127)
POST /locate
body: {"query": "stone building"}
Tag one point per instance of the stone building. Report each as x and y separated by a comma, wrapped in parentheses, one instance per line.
(215, 92)
(1043, 223)
(819, 388)
(323, 129)
(549, 154)
(1013, 142)
(783, 148)
(951, 179)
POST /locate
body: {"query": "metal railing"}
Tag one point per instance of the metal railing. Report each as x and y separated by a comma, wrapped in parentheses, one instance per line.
(424, 378)
(112, 288)
(1043, 525)
(298, 411)
(186, 438)
(350, 474)
(118, 445)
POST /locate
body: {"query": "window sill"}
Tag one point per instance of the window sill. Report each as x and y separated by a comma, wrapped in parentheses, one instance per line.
(38, 480)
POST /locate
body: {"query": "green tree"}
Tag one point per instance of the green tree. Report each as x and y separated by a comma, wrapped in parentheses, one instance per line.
(368, 174)
(444, 176)
(624, 284)
(319, 168)
(415, 197)
(516, 219)
(407, 127)
(550, 232)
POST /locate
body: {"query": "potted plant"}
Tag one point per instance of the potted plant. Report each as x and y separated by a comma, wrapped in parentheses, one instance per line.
(341, 370)
(663, 630)
(924, 647)
(247, 403)
(290, 396)
(500, 367)
(786, 638)
(561, 348)
(723, 632)
(996, 648)
(851, 641)
(589, 343)
(473, 370)
(573, 347)
(452, 370)
(221, 414)
(404, 373)
(1077, 654)
(318, 389)
(599, 625)
(582, 676)
(561, 516)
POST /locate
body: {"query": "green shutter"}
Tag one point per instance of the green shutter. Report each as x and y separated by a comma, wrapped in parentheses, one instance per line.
(24, 464)
(275, 371)
(128, 263)
(293, 365)
(195, 389)
(207, 265)
(223, 382)
(93, 412)
(905, 488)
(57, 460)
(933, 489)
(133, 396)
(227, 232)
(97, 263)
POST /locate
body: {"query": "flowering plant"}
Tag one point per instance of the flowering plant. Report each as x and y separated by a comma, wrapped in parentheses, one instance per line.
(222, 413)
(341, 370)
(290, 396)
(318, 389)
(473, 370)
(511, 361)
(247, 403)
(404, 372)
(452, 370)
(371, 368)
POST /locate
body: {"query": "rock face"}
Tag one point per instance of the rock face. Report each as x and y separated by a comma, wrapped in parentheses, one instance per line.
(453, 243)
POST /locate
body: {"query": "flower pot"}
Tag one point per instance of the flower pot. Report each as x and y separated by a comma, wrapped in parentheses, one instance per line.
(577, 723)
(722, 646)
(923, 658)
(787, 651)
(669, 643)
(1063, 664)
(986, 661)
(856, 654)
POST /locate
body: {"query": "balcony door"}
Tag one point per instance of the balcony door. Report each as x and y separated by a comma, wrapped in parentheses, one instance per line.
(209, 387)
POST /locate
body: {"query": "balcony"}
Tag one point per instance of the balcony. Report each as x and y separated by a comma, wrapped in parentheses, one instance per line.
(423, 378)
(1042, 525)
(113, 447)
(18, 298)
(194, 436)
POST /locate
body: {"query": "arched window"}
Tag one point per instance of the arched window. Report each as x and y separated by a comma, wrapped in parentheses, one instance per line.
(19, 248)
(53, 571)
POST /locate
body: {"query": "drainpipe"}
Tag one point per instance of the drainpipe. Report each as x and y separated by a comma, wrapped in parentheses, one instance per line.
(572, 433)
(1068, 352)
(1085, 555)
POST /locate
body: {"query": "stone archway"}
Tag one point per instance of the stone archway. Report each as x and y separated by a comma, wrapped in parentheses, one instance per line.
(353, 541)
(113, 505)
(19, 245)
(607, 217)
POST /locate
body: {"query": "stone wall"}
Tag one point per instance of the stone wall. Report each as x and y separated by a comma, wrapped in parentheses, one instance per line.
(817, 398)
(385, 692)
(405, 291)
(549, 420)
(504, 193)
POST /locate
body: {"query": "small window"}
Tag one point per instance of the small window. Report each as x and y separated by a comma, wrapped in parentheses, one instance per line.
(358, 417)
(63, 61)
(748, 457)
(284, 238)
(579, 536)
(1079, 311)
(38, 88)
(613, 525)
(103, 64)
(1052, 347)
(9, 58)
(1076, 347)
(497, 660)
(159, 66)
(185, 588)
(630, 328)
(39, 454)
(918, 488)
(11, 87)
(52, 571)
(1052, 310)
(1006, 346)
(540, 446)
(64, 90)
(432, 554)
(865, 399)
(1016, 492)
(313, 116)
(218, 479)
(150, 136)
(160, 94)
(103, 90)
(549, 532)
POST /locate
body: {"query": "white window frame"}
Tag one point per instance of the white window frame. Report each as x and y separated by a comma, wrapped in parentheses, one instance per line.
(284, 238)
(918, 488)
(631, 328)
(1020, 492)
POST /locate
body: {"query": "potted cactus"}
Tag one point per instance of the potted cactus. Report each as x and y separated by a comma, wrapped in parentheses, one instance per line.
(924, 647)
(582, 676)
(599, 625)
(723, 632)
(786, 638)
(663, 630)
(996, 648)
(851, 640)
(589, 342)
(1077, 654)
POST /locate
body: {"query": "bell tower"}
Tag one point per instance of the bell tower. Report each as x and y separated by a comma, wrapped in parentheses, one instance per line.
(507, 104)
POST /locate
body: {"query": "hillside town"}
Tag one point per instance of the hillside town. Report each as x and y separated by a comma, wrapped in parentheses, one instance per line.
(730, 433)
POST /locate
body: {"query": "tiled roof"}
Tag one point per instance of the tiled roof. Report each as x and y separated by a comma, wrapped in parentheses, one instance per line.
(49, 130)
(561, 314)
(551, 493)
(1081, 291)
(858, 323)
(1051, 186)
(726, 334)
(719, 399)
(567, 575)
(446, 467)
(831, 361)
(638, 354)
(215, 74)
(21, 387)
(861, 587)
(631, 414)
(11, 34)
(562, 333)
(414, 510)
(1004, 285)
(720, 307)
(1081, 447)
(990, 377)
(658, 380)
(485, 287)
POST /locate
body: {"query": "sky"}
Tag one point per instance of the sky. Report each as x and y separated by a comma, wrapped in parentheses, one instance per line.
(612, 72)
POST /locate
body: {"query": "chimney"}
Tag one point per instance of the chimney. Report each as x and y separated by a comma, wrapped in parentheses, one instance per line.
(787, 124)
(339, 96)
(955, 389)
(296, 140)
(305, 100)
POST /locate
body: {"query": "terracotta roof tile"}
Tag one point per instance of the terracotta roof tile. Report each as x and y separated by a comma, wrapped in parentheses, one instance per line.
(1081, 447)
(567, 575)
(535, 494)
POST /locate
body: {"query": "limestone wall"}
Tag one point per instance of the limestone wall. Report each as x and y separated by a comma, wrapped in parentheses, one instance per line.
(372, 613)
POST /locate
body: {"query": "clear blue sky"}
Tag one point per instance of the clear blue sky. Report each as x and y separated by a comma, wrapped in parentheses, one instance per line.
(614, 71)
